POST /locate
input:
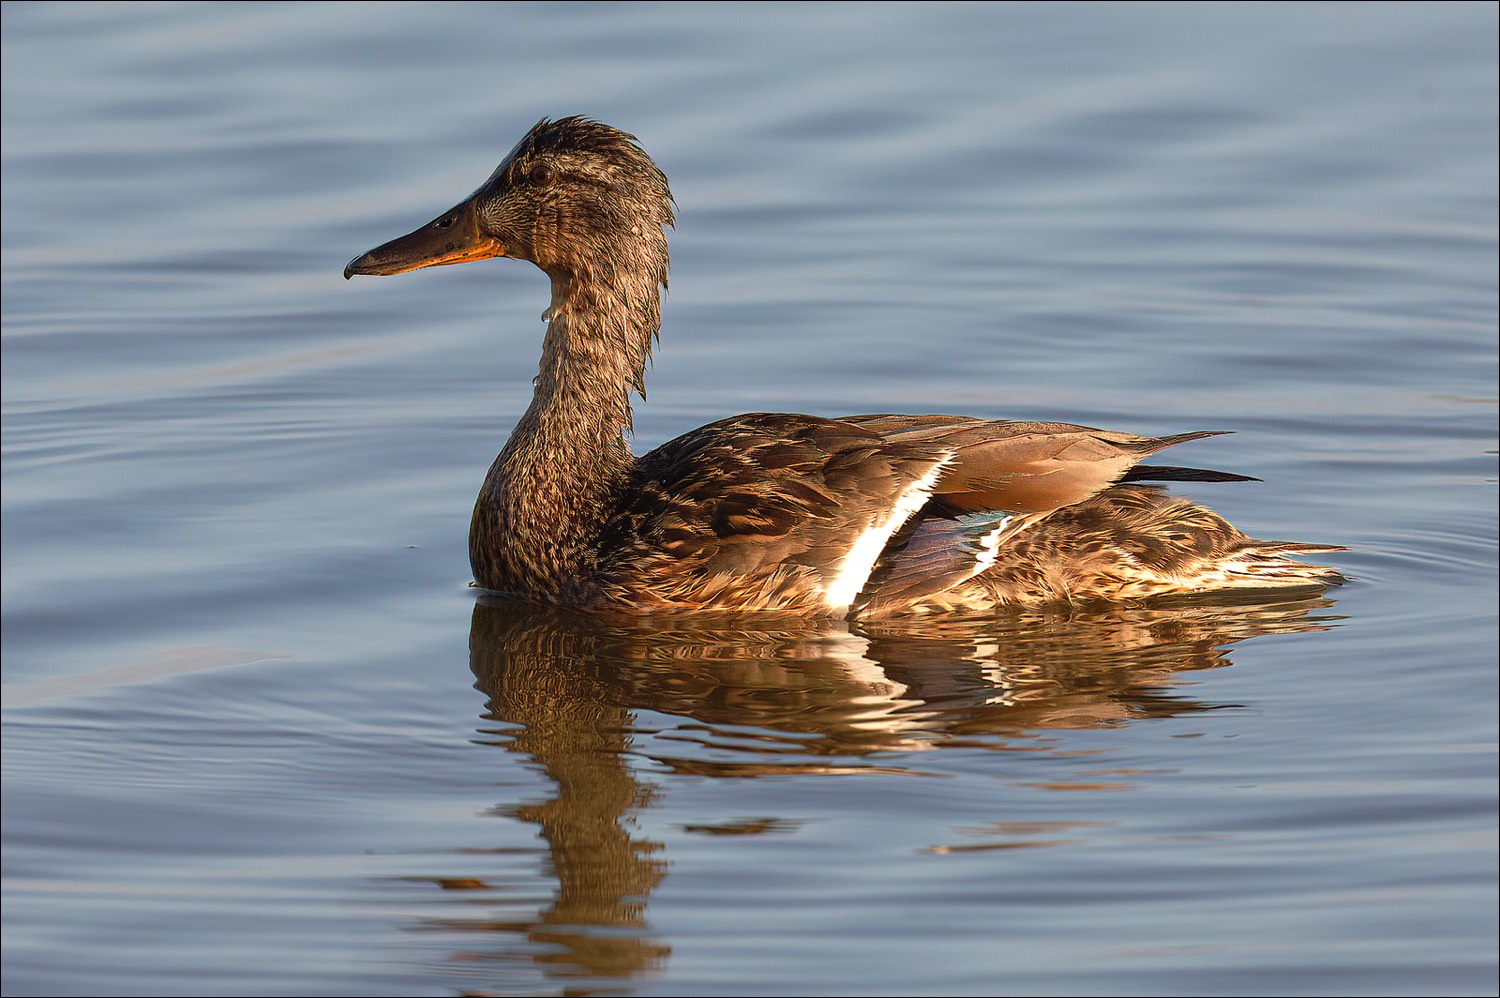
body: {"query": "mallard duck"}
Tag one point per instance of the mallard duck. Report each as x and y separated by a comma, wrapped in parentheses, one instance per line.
(861, 516)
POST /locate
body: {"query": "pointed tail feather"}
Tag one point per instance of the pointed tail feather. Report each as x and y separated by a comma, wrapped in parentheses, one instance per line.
(1273, 565)
(1171, 473)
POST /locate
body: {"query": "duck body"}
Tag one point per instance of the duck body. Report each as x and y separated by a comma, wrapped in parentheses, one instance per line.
(868, 516)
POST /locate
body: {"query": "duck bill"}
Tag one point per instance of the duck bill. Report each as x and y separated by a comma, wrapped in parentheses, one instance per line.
(452, 237)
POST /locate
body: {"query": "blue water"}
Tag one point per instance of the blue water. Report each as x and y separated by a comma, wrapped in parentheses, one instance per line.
(261, 738)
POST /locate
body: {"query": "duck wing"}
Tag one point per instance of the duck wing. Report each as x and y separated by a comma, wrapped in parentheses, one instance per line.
(1017, 466)
(785, 511)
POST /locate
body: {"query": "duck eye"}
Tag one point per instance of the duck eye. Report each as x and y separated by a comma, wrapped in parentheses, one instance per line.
(540, 174)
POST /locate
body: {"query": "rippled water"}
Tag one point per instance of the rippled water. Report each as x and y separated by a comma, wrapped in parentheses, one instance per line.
(260, 738)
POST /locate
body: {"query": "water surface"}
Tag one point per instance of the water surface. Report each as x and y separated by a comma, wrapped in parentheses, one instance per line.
(260, 738)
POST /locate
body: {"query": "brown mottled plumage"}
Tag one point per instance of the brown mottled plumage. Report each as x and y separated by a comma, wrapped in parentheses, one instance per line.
(872, 515)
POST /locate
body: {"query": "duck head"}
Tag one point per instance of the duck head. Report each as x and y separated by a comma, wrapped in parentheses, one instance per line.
(579, 199)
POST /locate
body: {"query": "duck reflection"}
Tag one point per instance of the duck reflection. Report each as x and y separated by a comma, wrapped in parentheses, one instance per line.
(610, 709)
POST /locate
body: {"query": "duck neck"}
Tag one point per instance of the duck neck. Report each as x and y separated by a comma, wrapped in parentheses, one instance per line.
(556, 483)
